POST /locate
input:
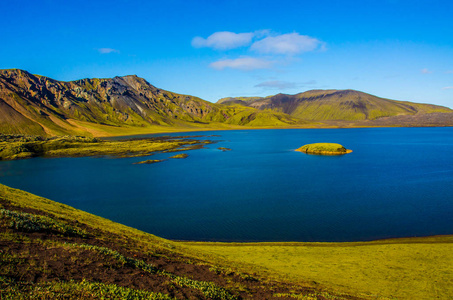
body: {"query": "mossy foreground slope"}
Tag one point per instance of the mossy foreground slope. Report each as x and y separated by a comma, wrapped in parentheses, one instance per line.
(52, 251)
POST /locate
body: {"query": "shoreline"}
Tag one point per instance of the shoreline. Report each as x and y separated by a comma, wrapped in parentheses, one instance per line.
(106, 131)
(429, 239)
(437, 238)
(262, 128)
(400, 268)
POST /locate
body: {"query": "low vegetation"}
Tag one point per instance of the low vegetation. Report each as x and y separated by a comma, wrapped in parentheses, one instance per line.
(22, 146)
(412, 268)
(12, 289)
(35, 223)
(324, 148)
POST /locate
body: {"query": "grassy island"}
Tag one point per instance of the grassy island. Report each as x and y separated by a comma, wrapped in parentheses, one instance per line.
(149, 161)
(182, 155)
(324, 149)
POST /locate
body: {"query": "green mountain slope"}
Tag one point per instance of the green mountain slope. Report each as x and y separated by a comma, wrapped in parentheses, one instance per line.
(33, 104)
(321, 105)
(127, 105)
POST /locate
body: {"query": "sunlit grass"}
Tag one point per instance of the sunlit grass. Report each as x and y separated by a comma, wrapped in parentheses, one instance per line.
(10, 289)
(418, 268)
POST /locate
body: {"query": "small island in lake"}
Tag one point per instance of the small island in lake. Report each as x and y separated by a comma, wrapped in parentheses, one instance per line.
(149, 161)
(324, 149)
(182, 155)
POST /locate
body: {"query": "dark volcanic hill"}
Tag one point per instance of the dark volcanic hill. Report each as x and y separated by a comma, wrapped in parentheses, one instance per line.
(322, 105)
(34, 104)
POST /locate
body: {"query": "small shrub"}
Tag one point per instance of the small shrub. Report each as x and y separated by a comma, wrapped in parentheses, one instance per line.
(10, 289)
(209, 289)
(36, 223)
(132, 262)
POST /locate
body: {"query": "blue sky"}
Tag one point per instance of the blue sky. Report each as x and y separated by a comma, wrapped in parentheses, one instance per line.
(395, 49)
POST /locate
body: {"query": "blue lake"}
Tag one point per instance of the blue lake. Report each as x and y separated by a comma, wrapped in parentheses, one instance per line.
(398, 182)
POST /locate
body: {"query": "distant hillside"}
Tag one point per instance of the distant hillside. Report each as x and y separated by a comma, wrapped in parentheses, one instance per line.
(127, 105)
(33, 104)
(346, 105)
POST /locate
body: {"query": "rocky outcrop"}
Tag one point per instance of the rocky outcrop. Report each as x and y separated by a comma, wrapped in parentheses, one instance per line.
(34, 104)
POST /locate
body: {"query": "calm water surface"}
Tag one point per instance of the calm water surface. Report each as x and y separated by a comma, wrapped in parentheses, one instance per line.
(397, 182)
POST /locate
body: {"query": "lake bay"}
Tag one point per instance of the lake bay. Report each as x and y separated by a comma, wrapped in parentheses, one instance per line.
(397, 182)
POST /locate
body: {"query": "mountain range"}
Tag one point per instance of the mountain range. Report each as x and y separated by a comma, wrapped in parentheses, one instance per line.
(322, 105)
(38, 105)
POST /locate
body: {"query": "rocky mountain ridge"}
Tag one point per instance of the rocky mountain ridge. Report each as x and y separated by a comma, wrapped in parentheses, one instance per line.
(34, 104)
(39, 105)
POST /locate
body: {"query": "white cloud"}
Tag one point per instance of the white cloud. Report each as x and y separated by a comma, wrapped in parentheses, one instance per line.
(242, 63)
(289, 44)
(223, 40)
(425, 71)
(283, 85)
(269, 46)
(448, 88)
(276, 84)
(310, 82)
(108, 50)
(261, 33)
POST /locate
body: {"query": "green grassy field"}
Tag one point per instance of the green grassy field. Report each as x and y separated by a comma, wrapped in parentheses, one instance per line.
(411, 268)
